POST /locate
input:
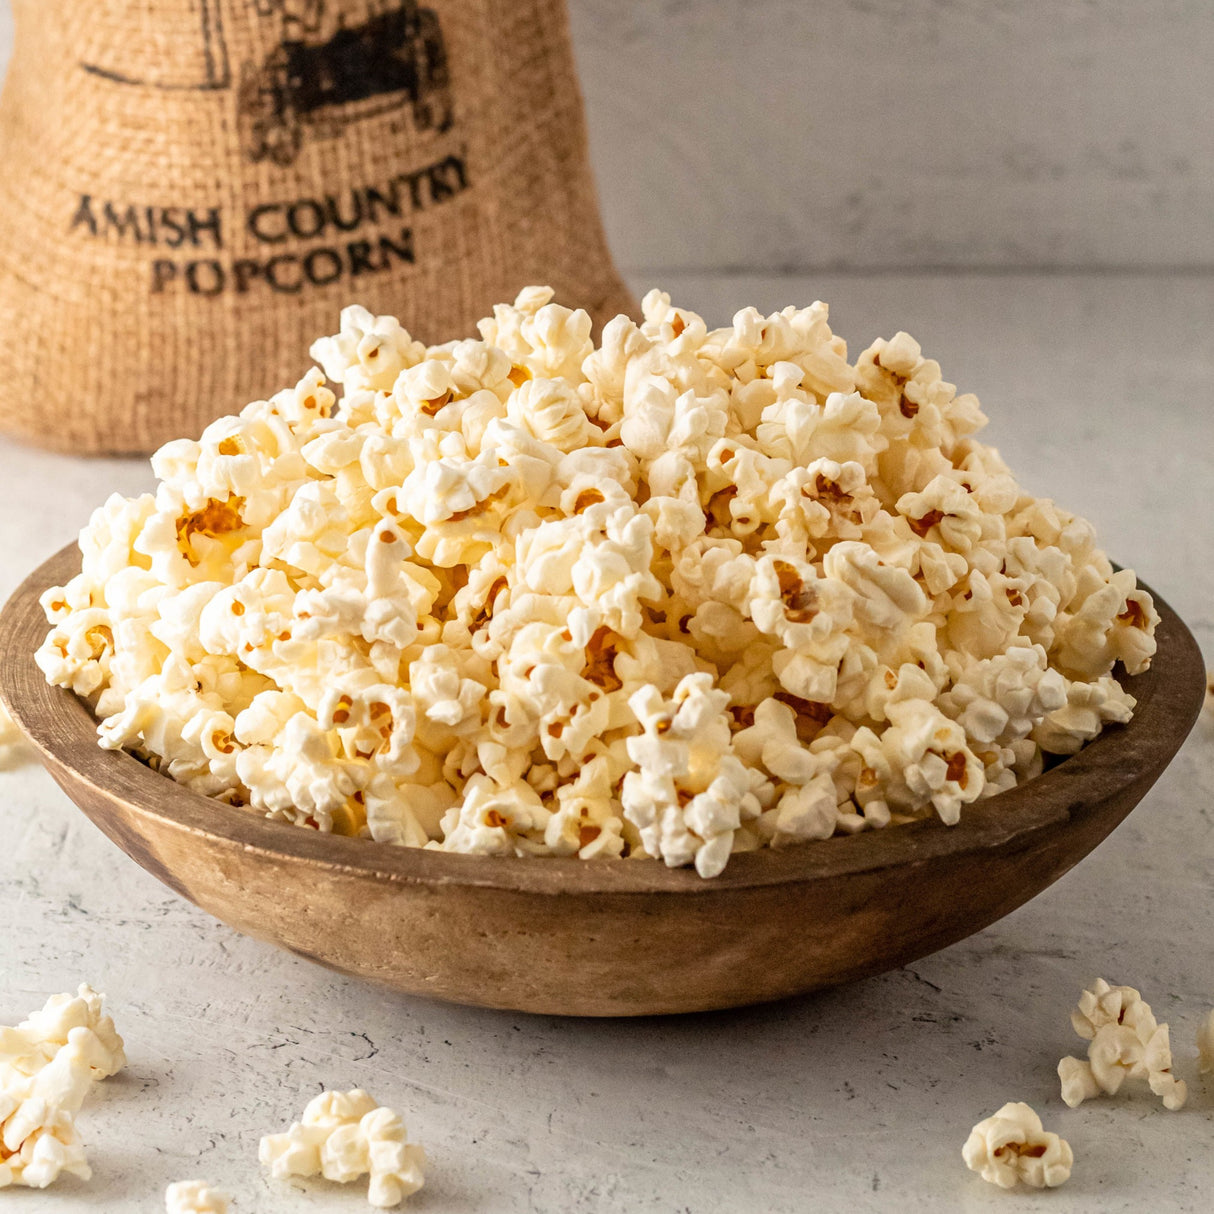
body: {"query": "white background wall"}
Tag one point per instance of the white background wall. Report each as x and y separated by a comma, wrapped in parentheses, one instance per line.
(782, 134)
(798, 134)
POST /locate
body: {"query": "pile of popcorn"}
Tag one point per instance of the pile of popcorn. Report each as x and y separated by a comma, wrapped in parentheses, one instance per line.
(684, 594)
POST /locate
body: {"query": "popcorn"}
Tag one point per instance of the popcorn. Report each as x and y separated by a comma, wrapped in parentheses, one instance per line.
(922, 758)
(194, 1197)
(885, 596)
(688, 593)
(46, 1153)
(551, 412)
(77, 653)
(1126, 1043)
(1011, 1147)
(690, 793)
(48, 1064)
(40, 1036)
(300, 777)
(1114, 621)
(999, 700)
(587, 821)
(494, 820)
(343, 1136)
(369, 352)
(1088, 707)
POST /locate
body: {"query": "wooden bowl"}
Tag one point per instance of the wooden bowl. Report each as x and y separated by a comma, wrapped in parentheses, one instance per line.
(604, 938)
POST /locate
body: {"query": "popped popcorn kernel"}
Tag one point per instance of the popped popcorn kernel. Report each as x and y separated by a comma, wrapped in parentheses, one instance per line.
(48, 1064)
(1011, 1147)
(1126, 1042)
(343, 1136)
(483, 601)
(211, 520)
(195, 1197)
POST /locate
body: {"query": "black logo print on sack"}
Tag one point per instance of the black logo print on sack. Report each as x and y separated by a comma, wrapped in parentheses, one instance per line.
(320, 78)
(396, 58)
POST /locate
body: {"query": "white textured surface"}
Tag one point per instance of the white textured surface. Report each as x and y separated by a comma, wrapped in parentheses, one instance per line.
(879, 133)
(856, 1099)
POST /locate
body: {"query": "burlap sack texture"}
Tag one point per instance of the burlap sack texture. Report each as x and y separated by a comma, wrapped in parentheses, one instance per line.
(192, 189)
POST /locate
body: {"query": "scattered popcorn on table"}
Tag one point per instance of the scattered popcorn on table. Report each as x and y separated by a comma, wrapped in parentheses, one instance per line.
(1205, 1045)
(345, 1135)
(48, 1064)
(1126, 1043)
(685, 594)
(45, 1154)
(194, 1197)
(1012, 1147)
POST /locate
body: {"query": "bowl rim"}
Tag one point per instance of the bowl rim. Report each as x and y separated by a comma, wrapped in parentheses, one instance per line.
(63, 729)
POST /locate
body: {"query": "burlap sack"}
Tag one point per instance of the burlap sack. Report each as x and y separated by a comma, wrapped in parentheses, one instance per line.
(190, 190)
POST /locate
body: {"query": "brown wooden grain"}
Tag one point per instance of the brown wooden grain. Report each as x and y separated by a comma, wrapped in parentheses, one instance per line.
(605, 938)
